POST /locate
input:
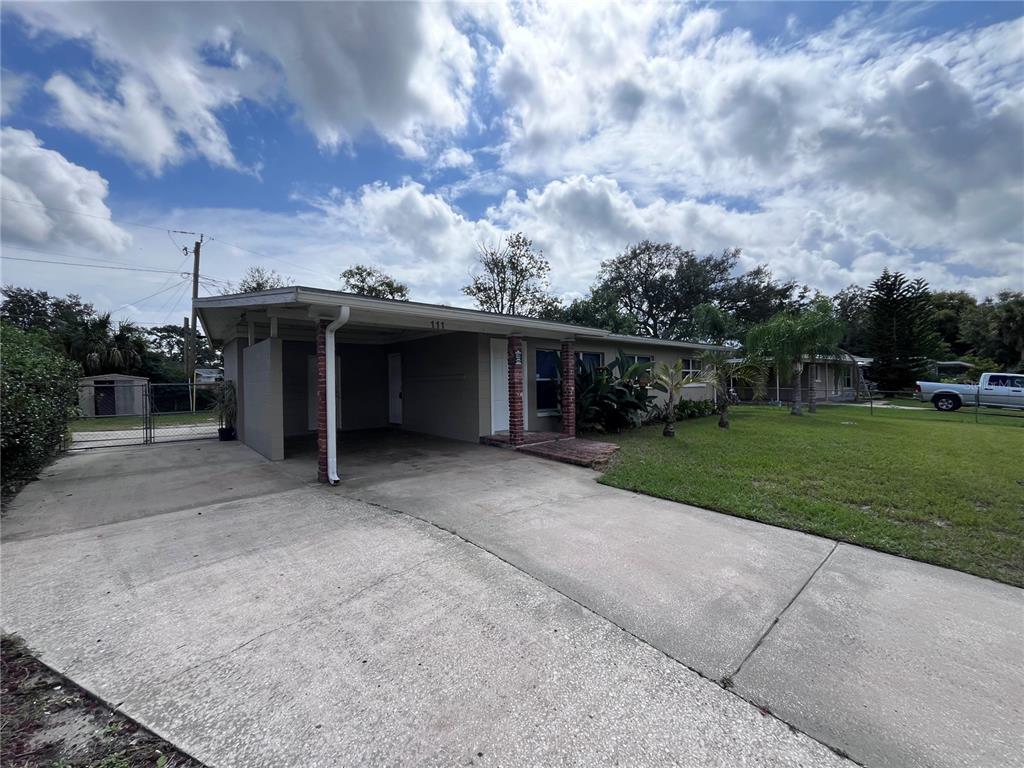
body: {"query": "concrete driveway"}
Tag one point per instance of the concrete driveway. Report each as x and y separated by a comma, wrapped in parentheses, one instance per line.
(449, 603)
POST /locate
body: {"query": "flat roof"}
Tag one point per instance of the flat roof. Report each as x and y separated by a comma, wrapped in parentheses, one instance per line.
(393, 310)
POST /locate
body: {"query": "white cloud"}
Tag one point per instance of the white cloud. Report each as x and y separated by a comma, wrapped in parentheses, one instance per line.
(400, 69)
(454, 157)
(40, 187)
(13, 86)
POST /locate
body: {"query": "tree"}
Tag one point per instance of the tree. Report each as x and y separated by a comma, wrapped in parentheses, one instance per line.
(512, 279)
(994, 329)
(713, 325)
(789, 337)
(642, 280)
(721, 370)
(852, 307)
(659, 287)
(902, 335)
(372, 282)
(950, 309)
(598, 310)
(261, 279)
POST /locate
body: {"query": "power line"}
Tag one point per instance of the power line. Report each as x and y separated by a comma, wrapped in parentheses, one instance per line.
(93, 266)
(144, 298)
(55, 253)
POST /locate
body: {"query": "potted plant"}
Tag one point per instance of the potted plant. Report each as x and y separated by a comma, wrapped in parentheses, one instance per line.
(227, 409)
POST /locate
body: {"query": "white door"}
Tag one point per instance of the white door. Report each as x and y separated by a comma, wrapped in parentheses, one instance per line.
(311, 392)
(395, 387)
(499, 386)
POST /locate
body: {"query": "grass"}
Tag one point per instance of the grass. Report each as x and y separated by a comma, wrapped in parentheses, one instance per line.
(926, 485)
(104, 423)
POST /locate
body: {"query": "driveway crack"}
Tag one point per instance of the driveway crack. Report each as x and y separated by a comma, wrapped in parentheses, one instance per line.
(781, 613)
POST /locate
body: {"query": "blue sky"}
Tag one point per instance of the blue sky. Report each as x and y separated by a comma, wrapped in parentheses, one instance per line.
(827, 140)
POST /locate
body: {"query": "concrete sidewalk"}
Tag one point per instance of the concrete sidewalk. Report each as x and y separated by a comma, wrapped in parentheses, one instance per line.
(301, 627)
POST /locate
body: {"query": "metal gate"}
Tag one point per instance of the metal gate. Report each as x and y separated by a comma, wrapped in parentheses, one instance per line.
(120, 412)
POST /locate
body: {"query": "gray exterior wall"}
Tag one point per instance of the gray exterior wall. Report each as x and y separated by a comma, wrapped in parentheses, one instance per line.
(294, 384)
(364, 385)
(440, 385)
(263, 398)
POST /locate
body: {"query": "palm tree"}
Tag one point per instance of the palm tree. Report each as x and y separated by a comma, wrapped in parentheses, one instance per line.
(789, 337)
(671, 379)
(824, 331)
(721, 370)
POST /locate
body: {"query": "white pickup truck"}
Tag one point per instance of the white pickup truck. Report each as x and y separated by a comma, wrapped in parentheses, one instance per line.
(999, 390)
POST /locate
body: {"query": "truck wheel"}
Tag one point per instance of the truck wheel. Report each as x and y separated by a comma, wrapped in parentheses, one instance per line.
(946, 402)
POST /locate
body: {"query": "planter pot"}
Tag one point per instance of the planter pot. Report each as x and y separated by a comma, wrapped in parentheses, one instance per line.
(226, 433)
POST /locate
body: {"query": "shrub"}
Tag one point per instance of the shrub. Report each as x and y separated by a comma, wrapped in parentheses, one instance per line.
(691, 409)
(38, 394)
(613, 397)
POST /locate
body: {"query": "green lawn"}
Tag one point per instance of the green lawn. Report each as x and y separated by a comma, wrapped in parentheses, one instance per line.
(930, 486)
(103, 423)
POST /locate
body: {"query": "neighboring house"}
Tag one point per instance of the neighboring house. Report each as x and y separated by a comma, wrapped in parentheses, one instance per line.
(455, 373)
(209, 375)
(112, 394)
(834, 378)
(950, 369)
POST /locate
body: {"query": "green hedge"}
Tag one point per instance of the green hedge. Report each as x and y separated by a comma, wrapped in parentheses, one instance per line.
(38, 394)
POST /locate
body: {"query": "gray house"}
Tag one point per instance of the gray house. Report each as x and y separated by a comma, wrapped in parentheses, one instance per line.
(454, 373)
(112, 394)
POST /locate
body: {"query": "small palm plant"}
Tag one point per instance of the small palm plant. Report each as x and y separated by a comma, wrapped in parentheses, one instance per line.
(671, 379)
(721, 371)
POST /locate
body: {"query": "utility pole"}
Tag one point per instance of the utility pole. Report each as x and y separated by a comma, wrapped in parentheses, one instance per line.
(193, 331)
(185, 344)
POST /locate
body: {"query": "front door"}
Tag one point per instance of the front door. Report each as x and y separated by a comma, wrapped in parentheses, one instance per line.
(395, 387)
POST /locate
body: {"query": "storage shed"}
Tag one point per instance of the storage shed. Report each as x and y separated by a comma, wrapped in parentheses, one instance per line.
(112, 394)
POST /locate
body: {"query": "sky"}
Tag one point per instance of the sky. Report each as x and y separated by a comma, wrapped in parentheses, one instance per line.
(826, 140)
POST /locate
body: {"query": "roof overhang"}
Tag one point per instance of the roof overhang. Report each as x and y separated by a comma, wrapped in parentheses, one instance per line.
(296, 309)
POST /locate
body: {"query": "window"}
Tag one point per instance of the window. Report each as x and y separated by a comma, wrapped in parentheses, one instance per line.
(549, 380)
(634, 359)
(993, 381)
(589, 361)
(691, 365)
(848, 377)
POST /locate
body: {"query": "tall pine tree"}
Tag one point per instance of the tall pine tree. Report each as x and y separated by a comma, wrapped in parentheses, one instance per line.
(902, 334)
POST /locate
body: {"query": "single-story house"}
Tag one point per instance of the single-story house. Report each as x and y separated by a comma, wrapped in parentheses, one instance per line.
(445, 371)
(112, 394)
(835, 378)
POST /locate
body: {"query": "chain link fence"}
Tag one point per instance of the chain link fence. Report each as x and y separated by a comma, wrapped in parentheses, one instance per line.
(113, 412)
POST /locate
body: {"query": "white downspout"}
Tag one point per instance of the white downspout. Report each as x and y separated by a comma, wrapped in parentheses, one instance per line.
(332, 399)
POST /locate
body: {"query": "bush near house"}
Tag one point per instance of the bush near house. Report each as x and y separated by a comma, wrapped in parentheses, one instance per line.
(38, 394)
(691, 409)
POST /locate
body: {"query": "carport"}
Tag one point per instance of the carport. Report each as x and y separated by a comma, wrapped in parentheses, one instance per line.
(420, 368)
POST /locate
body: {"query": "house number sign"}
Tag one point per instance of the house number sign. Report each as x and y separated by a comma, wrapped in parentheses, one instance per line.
(437, 325)
(518, 357)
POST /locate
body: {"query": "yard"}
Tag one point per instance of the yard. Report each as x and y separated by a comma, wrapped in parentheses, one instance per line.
(929, 486)
(106, 423)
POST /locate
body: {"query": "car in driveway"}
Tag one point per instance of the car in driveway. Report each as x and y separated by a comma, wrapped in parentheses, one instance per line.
(994, 390)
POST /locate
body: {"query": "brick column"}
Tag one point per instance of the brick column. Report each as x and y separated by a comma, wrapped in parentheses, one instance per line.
(568, 389)
(515, 390)
(321, 398)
